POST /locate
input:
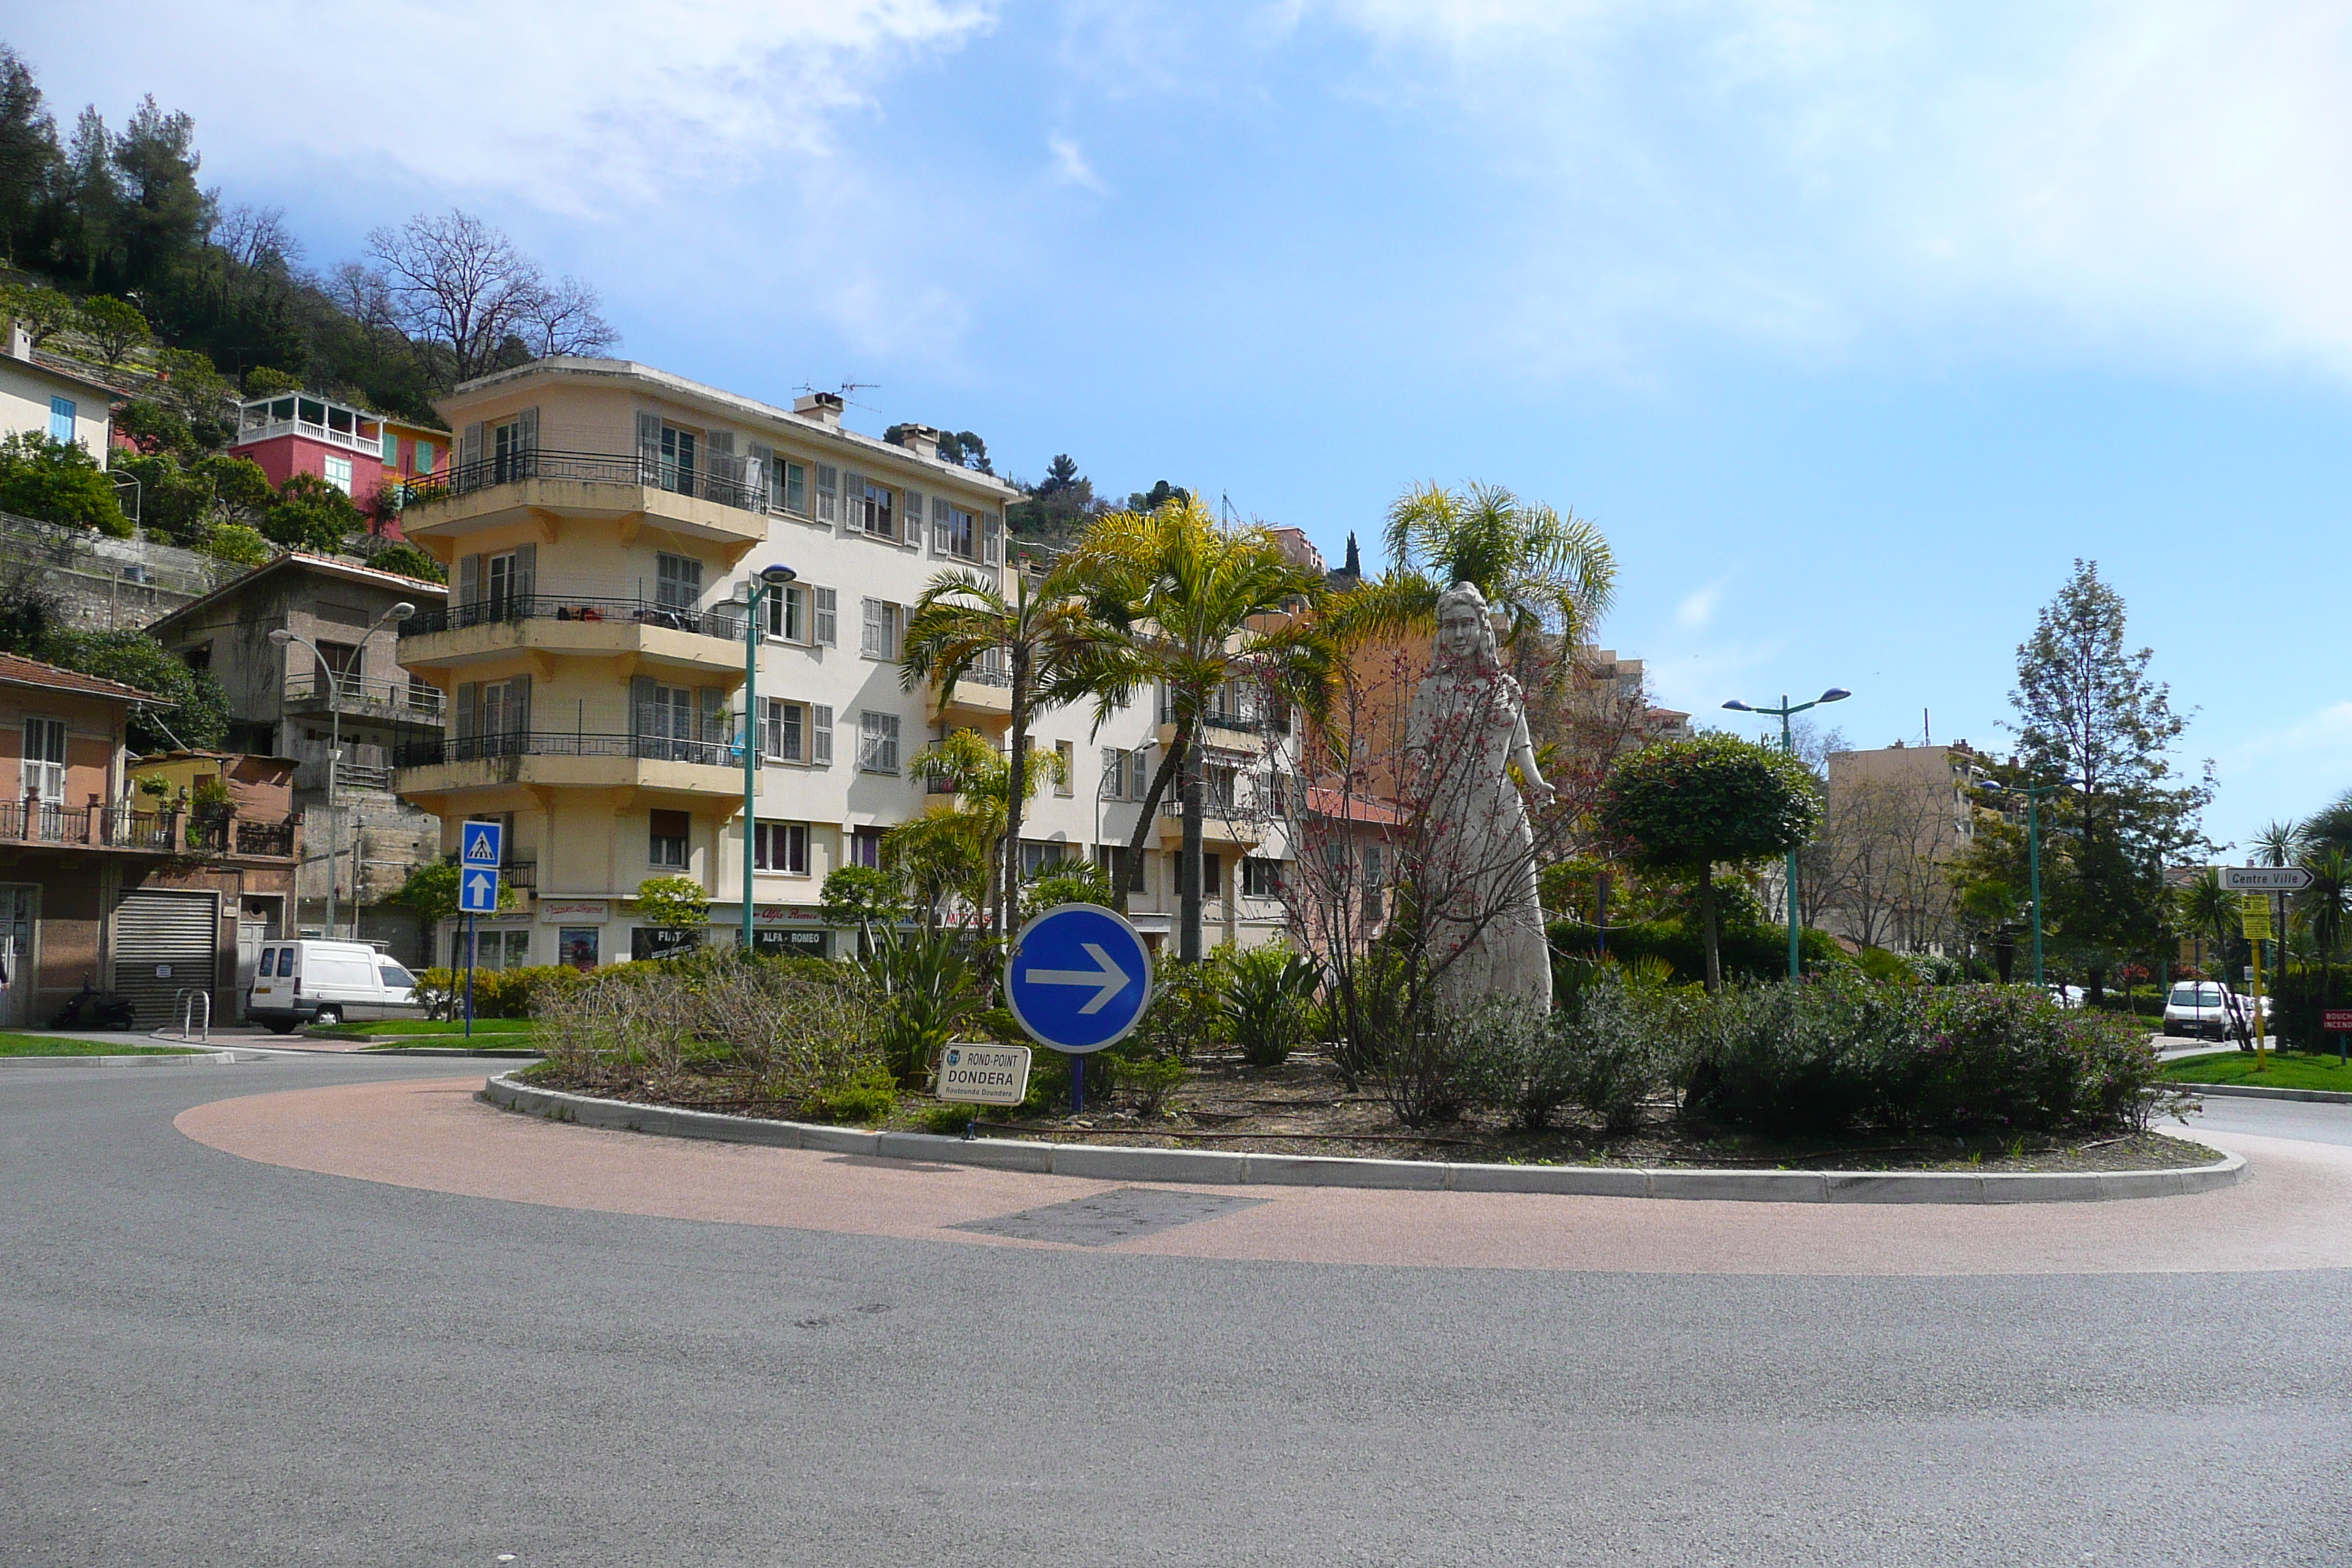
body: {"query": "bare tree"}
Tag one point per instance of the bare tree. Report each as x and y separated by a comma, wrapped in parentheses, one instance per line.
(461, 287)
(563, 320)
(1876, 873)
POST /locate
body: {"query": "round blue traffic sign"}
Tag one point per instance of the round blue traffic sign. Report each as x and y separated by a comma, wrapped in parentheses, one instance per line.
(1078, 978)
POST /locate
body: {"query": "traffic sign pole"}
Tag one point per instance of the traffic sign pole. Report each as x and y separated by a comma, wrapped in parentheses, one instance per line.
(469, 977)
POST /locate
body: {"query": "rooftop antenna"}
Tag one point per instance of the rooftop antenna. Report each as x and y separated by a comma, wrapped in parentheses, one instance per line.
(849, 386)
(1926, 737)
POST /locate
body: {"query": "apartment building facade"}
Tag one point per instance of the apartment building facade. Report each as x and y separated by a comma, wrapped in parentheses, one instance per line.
(602, 524)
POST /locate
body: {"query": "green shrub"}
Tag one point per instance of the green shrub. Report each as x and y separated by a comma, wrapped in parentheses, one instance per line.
(1749, 953)
(930, 995)
(58, 481)
(1188, 1013)
(498, 993)
(1839, 1052)
(1269, 1002)
(867, 1097)
(1151, 1079)
(947, 1119)
(311, 514)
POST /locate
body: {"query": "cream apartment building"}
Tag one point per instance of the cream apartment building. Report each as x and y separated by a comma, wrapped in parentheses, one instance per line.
(602, 524)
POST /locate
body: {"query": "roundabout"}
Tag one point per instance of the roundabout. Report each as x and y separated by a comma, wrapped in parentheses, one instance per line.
(342, 1311)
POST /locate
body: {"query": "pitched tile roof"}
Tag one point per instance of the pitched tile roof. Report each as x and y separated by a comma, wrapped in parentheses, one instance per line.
(17, 670)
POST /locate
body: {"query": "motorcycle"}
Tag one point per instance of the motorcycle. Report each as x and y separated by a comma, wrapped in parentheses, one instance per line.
(105, 1009)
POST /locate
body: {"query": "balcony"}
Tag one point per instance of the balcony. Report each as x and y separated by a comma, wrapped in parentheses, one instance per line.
(983, 694)
(579, 626)
(1224, 819)
(384, 701)
(335, 423)
(727, 505)
(657, 764)
(53, 826)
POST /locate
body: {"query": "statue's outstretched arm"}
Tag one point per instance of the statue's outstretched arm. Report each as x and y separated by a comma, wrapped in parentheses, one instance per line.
(1523, 755)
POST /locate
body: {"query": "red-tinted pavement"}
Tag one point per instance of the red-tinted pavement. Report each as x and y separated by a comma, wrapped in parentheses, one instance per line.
(435, 1134)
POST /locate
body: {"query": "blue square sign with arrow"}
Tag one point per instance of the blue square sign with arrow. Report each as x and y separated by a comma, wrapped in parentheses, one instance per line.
(479, 843)
(477, 891)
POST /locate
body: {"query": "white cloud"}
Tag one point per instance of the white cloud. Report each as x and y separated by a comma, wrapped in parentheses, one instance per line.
(1070, 165)
(1698, 609)
(576, 106)
(2173, 174)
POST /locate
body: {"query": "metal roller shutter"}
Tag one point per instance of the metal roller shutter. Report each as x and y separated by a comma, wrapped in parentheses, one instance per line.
(174, 932)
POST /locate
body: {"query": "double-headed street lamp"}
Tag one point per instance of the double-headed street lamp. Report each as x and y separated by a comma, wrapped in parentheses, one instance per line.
(278, 637)
(771, 579)
(1789, 745)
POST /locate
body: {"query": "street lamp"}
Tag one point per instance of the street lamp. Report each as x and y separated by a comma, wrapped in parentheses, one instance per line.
(771, 579)
(2032, 793)
(280, 637)
(1789, 745)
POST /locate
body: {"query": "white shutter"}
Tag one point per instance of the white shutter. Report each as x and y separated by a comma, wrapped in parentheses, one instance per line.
(469, 580)
(765, 478)
(526, 573)
(874, 644)
(828, 617)
(911, 518)
(853, 502)
(470, 446)
(828, 497)
(992, 550)
(465, 709)
(649, 428)
(941, 542)
(527, 432)
(821, 735)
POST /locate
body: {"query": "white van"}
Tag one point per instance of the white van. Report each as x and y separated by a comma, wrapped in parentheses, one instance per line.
(298, 983)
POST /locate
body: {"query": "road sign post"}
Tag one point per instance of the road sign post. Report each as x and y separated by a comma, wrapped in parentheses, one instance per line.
(481, 849)
(1077, 979)
(2255, 918)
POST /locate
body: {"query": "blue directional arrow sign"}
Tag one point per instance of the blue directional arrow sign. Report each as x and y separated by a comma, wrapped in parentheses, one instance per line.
(477, 891)
(1078, 979)
(479, 843)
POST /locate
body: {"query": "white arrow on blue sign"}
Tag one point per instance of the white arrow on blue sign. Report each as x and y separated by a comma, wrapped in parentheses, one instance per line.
(482, 842)
(1078, 979)
(478, 891)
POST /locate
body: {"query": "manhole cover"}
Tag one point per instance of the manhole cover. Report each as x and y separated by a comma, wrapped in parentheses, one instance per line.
(1106, 1218)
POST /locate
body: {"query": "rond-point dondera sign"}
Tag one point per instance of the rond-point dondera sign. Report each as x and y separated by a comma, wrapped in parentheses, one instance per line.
(1078, 978)
(984, 1075)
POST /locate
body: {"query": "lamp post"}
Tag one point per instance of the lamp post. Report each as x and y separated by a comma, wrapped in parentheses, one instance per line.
(771, 579)
(1789, 746)
(2032, 793)
(280, 637)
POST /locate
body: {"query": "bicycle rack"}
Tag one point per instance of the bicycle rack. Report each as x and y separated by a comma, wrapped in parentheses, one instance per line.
(185, 1002)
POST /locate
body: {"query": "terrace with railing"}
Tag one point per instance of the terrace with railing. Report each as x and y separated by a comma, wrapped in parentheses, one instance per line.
(49, 823)
(738, 482)
(724, 620)
(393, 701)
(566, 743)
(292, 414)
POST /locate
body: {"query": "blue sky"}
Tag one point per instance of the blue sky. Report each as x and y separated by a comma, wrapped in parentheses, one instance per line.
(1852, 325)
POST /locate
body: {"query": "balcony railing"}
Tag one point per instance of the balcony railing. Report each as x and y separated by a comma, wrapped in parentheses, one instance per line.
(718, 621)
(155, 832)
(567, 743)
(738, 484)
(269, 839)
(404, 702)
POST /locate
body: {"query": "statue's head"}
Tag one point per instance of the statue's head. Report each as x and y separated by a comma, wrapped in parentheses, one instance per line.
(1465, 628)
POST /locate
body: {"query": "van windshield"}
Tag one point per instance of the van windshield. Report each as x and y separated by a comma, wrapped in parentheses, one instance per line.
(394, 976)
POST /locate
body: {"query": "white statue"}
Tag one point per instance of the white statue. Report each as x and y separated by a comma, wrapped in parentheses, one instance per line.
(1477, 869)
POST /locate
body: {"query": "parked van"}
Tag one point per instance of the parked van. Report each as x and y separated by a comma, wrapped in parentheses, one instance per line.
(298, 983)
(2210, 1011)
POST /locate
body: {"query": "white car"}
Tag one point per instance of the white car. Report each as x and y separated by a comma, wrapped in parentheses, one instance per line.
(298, 983)
(2208, 1010)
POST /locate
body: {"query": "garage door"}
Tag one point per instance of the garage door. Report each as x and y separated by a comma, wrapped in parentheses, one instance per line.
(164, 941)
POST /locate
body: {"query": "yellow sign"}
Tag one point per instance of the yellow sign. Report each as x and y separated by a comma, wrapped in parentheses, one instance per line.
(2256, 916)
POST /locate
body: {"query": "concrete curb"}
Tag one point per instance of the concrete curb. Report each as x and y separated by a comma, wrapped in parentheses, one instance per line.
(1209, 1166)
(2256, 1092)
(196, 1059)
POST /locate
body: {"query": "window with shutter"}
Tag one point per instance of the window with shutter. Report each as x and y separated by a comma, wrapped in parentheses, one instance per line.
(796, 488)
(763, 476)
(939, 524)
(828, 493)
(828, 617)
(469, 585)
(466, 699)
(1114, 773)
(820, 735)
(526, 576)
(877, 741)
(642, 715)
(717, 732)
(470, 453)
(881, 634)
(678, 582)
(991, 542)
(914, 517)
(1066, 754)
(650, 432)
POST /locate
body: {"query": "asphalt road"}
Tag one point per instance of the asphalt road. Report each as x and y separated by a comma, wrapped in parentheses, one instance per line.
(212, 1361)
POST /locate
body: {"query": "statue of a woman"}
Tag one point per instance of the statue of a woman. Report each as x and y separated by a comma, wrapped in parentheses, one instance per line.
(1477, 870)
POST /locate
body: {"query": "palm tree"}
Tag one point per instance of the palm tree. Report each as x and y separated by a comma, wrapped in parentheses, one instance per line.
(1551, 573)
(964, 618)
(2323, 905)
(1189, 607)
(949, 851)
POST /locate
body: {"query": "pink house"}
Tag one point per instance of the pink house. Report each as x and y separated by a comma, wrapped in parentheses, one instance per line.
(298, 433)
